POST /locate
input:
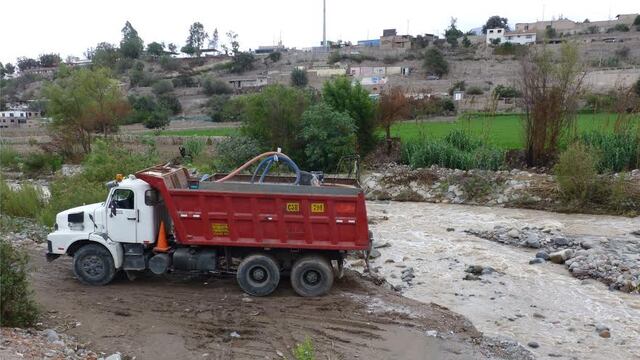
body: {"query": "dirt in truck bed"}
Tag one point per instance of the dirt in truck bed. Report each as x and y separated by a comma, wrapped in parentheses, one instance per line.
(204, 317)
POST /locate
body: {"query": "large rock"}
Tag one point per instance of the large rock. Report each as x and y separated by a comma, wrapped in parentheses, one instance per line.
(532, 240)
(52, 335)
(559, 257)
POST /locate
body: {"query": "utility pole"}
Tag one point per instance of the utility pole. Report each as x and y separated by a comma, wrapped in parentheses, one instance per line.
(324, 24)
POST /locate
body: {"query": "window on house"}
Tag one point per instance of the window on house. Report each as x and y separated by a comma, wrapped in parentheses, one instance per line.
(526, 27)
(490, 31)
(529, 37)
(499, 31)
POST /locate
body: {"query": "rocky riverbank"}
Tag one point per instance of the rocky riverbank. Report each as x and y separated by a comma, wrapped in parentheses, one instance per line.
(515, 188)
(613, 260)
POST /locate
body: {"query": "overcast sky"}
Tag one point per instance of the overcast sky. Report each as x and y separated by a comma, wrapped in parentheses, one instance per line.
(68, 27)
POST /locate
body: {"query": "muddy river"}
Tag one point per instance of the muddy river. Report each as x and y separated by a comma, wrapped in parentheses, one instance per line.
(542, 303)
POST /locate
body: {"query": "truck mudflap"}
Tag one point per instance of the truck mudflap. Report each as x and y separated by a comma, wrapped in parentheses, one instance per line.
(50, 255)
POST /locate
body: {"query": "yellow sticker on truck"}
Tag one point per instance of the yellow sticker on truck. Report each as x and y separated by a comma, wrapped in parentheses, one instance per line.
(293, 207)
(317, 207)
(220, 229)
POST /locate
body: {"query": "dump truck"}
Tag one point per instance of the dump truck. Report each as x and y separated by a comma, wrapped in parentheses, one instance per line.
(260, 227)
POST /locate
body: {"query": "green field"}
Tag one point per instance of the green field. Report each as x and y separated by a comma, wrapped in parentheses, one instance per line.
(221, 131)
(504, 131)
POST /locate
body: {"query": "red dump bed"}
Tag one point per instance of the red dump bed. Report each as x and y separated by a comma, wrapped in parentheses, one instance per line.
(261, 215)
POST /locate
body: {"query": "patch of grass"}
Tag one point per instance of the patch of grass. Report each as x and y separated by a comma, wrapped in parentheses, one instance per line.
(502, 131)
(27, 201)
(8, 157)
(304, 350)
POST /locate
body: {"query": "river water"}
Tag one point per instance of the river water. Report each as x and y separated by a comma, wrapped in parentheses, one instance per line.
(541, 303)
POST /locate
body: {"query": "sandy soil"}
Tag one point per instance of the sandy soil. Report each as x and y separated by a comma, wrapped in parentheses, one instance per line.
(186, 317)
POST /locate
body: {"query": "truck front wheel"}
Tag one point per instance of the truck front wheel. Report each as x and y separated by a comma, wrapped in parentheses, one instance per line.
(258, 275)
(93, 265)
(311, 275)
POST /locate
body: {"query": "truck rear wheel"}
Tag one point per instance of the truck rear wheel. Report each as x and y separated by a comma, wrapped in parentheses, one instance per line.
(93, 265)
(258, 275)
(311, 275)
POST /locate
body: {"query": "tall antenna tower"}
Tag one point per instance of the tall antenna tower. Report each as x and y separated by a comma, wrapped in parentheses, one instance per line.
(324, 24)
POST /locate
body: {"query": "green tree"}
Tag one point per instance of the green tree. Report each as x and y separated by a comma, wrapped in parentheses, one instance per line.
(215, 38)
(495, 22)
(299, 78)
(3, 71)
(636, 87)
(49, 60)
(435, 63)
(453, 33)
(155, 48)
(273, 117)
(9, 68)
(103, 55)
(131, 45)
(275, 56)
(355, 101)
(162, 87)
(241, 62)
(550, 32)
(81, 103)
(328, 135)
(172, 48)
(25, 63)
(636, 21)
(195, 40)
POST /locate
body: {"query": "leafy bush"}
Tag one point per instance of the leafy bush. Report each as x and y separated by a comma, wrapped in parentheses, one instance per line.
(435, 63)
(162, 87)
(184, 81)
(328, 135)
(617, 151)
(138, 76)
(235, 151)
(216, 107)
(158, 119)
(170, 103)
(168, 63)
(299, 78)
(241, 62)
(474, 90)
(17, 305)
(619, 28)
(215, 86)
(600, 102)
(275, 56)
(304, 350)
(457, 150)
(576, 174)
(25, 201)
(40, 163)
(502, 92)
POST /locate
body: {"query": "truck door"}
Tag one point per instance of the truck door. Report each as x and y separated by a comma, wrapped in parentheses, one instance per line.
(122, 218)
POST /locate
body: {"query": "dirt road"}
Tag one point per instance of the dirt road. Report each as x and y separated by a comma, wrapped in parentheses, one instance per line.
(181, 317)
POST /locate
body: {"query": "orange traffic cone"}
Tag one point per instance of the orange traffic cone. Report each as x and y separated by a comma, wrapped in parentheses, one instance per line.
(162, 245)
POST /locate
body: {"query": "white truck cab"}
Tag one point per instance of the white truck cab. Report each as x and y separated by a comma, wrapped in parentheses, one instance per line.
(99, 235)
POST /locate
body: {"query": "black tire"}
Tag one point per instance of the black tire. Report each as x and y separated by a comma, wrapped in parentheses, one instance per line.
(311, 275)
(258, 275)
(93, 265)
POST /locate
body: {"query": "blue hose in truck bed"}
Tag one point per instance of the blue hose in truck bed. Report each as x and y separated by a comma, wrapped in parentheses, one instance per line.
(268, 161)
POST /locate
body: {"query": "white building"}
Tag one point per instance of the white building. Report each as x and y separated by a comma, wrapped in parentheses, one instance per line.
(501, 36)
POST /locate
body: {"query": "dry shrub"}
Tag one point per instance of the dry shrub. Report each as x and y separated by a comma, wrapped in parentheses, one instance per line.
(550, 90)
